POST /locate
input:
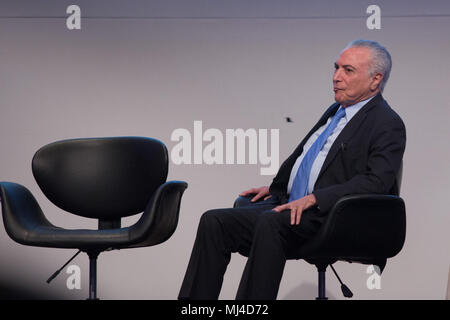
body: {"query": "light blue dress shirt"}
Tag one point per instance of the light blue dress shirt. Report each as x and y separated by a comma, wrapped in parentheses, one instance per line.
(350, 111)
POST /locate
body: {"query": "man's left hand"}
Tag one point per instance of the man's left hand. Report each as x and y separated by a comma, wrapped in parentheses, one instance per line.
(297, 207)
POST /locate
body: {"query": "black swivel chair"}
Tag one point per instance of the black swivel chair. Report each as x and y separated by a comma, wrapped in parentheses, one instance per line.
(364, 228)
(101, 178)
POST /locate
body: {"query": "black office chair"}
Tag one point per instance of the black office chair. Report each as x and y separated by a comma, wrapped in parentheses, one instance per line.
(365, 228)
(101, 178)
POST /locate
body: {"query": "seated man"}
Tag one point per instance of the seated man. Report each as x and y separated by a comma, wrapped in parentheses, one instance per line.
(356, 147)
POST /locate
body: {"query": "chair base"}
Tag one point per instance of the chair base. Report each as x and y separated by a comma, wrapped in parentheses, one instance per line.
(93, 275)
(322, 275)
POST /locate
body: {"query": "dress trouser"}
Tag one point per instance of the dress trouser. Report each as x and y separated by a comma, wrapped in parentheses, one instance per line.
(266, 237)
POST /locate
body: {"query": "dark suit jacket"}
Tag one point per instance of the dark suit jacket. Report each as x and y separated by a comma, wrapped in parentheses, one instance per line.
(364, 158)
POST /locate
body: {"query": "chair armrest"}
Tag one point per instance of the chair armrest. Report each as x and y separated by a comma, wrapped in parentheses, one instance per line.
(160, 218)
(21, 212)
(243, 201)
(359, 227)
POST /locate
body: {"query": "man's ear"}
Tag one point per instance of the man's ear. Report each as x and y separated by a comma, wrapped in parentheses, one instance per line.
(376, 79)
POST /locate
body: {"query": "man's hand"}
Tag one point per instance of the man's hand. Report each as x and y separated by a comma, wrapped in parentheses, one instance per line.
(260, 192)
(297, 207)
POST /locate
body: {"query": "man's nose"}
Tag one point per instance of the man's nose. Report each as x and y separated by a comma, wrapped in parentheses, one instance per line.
(337, 75)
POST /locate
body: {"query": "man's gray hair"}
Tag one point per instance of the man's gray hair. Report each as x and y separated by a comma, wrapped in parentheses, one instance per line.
(381, 59)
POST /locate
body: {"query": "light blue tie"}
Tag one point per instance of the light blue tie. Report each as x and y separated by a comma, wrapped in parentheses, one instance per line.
(300, 184)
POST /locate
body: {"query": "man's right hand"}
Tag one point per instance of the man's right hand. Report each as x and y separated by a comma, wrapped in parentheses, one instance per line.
(259, 193)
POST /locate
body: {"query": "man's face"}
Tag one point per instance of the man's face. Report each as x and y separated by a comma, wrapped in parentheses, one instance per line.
(351, 80)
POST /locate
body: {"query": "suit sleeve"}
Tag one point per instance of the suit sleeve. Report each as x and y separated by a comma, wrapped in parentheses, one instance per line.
(385, 156)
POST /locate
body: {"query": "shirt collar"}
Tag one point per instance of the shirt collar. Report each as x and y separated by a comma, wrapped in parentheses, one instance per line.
(350, 111)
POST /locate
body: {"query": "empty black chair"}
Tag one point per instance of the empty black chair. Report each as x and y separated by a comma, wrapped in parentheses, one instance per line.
(101, 178)
(364, 228)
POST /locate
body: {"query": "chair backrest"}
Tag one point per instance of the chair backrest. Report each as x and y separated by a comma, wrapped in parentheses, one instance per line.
(103, 178)
(399, 177)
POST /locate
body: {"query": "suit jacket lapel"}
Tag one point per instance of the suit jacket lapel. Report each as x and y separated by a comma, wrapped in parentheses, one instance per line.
(348, 132)
(329, 113)
(280, 182)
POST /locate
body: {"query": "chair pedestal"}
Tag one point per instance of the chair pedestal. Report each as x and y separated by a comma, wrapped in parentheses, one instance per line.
(321, 269)
(93, 275)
